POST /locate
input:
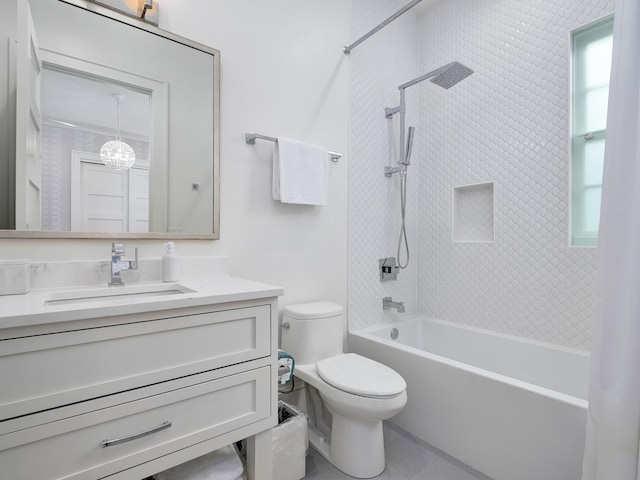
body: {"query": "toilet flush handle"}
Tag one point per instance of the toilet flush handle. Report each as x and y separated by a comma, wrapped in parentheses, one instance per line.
(286, 325)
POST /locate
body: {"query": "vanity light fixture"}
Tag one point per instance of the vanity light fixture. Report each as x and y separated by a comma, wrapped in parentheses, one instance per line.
(117, 154)
(145, 10)
(146, 5)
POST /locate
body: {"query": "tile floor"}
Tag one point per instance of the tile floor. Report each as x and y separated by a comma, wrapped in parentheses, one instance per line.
(408, 458)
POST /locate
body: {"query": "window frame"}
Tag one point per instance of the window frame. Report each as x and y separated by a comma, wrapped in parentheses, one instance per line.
(579, 235)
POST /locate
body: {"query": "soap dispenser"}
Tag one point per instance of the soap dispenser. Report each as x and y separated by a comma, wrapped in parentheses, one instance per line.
(170, 266)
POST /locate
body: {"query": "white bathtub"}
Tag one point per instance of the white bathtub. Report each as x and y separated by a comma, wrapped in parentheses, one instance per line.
(512, 408)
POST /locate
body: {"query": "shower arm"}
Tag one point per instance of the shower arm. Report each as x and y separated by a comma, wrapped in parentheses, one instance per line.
(426, 76)
(390, 112)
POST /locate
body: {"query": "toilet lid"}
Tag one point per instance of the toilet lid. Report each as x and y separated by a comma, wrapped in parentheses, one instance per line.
(361, 376)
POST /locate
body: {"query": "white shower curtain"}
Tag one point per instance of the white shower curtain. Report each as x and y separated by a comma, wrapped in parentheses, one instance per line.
(613, 423)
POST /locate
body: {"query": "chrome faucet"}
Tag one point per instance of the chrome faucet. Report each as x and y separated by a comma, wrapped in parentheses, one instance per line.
(117, 264)
(388, 303)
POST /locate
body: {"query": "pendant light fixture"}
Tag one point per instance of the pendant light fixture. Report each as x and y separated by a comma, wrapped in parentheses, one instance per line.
(117, 154)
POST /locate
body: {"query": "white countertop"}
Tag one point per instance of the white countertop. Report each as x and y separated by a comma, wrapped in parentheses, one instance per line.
(32, 308)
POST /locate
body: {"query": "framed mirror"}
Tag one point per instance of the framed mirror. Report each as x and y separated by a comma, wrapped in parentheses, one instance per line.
(85, 76)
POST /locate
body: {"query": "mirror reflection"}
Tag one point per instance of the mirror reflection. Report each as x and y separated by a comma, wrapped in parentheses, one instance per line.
(79, 115)
(104, 76)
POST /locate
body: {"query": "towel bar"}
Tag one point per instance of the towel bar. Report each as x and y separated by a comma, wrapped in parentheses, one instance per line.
(250, 138)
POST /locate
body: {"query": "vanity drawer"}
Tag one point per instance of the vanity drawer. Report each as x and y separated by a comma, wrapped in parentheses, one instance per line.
(48, 371)
(73, 448)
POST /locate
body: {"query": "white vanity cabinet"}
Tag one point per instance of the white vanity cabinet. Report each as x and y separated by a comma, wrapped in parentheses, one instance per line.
(128, 395)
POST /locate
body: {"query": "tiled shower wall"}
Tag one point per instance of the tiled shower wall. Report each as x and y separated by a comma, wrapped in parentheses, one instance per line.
(507, 124)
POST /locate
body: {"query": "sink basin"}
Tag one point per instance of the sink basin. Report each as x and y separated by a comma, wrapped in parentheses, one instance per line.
(114, 293)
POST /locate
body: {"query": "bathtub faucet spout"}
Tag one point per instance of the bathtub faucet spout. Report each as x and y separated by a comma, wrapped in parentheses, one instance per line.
(388, 303)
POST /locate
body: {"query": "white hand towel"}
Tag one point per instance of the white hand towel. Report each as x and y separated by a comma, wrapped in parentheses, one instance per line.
(222, 463)
(300, 172)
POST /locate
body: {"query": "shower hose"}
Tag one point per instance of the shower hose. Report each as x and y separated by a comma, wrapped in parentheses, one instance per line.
(403, 230)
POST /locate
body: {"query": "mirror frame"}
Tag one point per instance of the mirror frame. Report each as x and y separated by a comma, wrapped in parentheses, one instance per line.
(113, 15)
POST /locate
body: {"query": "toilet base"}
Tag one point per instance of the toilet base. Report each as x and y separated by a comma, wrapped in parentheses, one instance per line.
(356, 448)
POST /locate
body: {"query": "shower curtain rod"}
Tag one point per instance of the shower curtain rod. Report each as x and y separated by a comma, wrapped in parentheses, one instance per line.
(250, 138)
(347, 50)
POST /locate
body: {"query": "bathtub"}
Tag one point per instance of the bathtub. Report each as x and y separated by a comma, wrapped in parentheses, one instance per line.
(512, 408)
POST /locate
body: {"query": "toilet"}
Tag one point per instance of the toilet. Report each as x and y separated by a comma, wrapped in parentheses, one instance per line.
(357, 392)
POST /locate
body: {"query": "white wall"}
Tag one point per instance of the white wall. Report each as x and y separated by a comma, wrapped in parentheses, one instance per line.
(282, 73)
(507, 123)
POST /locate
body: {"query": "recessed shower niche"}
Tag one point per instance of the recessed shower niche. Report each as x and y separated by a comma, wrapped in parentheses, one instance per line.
(473, 213)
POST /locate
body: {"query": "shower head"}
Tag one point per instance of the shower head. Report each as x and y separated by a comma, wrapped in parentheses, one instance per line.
(446, 76)
(407, 152)
(453, 73)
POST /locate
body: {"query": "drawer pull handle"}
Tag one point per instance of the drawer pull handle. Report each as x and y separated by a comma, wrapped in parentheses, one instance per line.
(118, 441)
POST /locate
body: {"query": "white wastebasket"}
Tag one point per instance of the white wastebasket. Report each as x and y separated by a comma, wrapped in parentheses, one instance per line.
(290, 443)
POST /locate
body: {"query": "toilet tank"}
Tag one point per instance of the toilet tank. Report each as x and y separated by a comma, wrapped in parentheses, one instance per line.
(312, 331)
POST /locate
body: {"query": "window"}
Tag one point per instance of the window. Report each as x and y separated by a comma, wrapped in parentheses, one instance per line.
(591, 67)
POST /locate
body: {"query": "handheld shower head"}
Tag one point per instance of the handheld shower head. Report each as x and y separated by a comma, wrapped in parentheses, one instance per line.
(454, 73)
(407, 152)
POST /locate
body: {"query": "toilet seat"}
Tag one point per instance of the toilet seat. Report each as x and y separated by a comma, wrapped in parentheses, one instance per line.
(359, 375)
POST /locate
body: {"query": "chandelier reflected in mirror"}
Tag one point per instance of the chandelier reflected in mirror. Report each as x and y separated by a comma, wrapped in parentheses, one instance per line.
(117, 154)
